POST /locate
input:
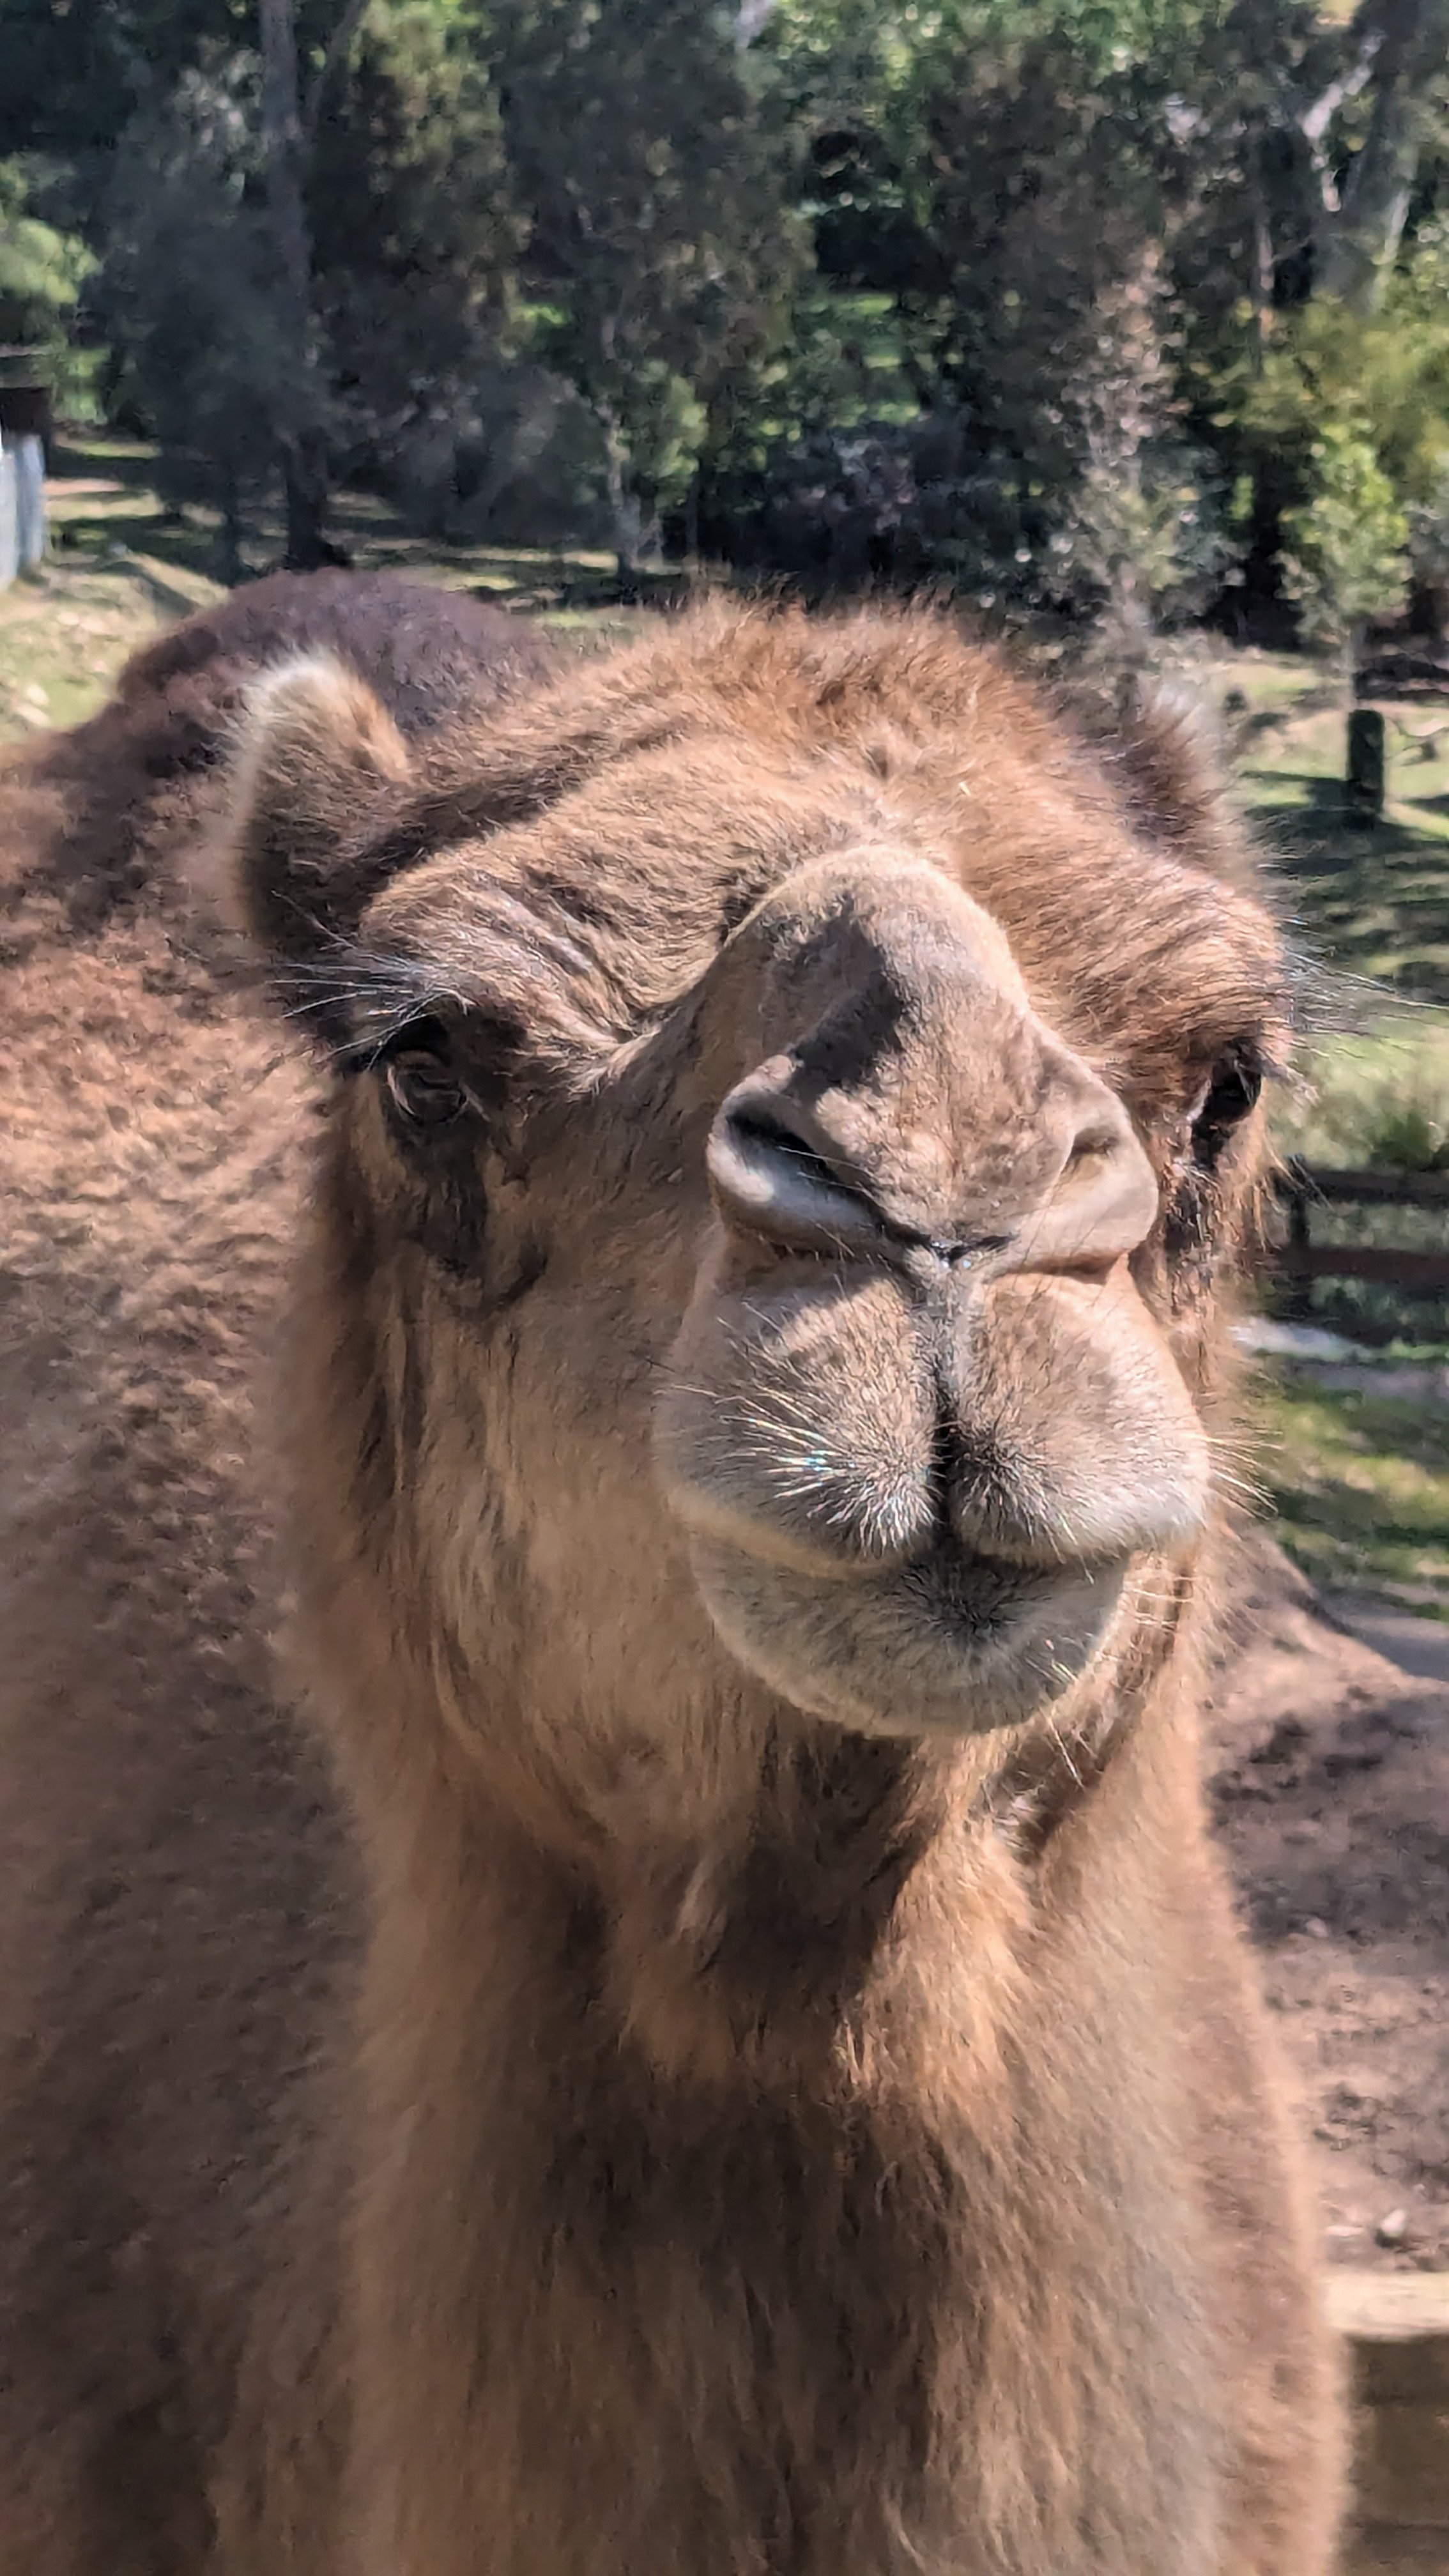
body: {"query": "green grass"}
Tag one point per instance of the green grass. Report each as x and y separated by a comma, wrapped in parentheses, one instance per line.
(62, 640)
(1366, 903)
(1358, 1483)
(121, 566)
(1379, 1095)
(543, 580)
(1359, 1491)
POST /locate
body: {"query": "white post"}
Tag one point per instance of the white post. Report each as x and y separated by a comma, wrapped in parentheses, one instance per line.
(30, 503)
(9, 533)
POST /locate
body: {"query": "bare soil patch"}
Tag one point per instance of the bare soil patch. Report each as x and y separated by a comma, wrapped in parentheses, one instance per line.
(1330, 1781)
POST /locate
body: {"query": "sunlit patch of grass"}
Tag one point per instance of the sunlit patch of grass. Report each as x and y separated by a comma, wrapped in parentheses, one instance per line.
(63, 641)
(1359, 1490)
(1369, 902)
(1378, 1097)
(115, 500)
(120, 569)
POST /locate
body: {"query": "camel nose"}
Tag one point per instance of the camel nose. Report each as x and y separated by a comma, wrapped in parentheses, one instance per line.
(780, 1175)
(920, 1105)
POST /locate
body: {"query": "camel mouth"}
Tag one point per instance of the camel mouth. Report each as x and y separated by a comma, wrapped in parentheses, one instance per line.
(947, 1644)
(915, 1522)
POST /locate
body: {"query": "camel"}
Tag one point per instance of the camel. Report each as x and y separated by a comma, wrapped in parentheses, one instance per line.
(611, 1506)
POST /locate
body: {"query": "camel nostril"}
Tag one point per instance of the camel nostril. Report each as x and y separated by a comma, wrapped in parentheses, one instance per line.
(1102, 1203)
(1091, 1145)
(773, 1179)
(765, 1136)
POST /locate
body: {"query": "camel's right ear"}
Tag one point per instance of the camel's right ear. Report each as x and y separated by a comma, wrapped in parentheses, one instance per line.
(316, 751)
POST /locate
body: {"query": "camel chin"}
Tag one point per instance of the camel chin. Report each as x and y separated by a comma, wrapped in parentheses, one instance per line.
(948, 1645)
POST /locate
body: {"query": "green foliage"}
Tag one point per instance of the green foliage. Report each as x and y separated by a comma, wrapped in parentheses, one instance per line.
(1006, 170)
(42, 272)
(1429, 538)
(840, 282)
(190, 290)
(1345, 559)
(1359, 1485)
(1388, 369)
(1140, 539)
(1403, 365)
(415, 241)
(1377, 1100)
(658, 240)
(71, 75)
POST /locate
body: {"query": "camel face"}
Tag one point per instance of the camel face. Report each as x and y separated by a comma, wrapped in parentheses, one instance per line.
(788, 1268)
(918, 1424)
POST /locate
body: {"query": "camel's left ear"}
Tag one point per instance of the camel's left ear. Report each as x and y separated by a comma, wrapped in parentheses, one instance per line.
(1170, 761)
(316, 756)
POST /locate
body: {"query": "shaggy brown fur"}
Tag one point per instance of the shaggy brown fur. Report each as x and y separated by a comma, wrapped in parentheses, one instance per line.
(96, 823)
(752, 2069)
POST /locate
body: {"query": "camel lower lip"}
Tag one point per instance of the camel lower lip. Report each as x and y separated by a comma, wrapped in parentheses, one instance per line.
(943, 1645)
(971, 1596)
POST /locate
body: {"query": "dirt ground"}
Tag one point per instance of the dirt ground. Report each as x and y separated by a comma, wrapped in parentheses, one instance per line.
(1331, 1788)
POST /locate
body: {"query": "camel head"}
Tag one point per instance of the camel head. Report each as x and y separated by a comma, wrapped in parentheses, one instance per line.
(790, 1105)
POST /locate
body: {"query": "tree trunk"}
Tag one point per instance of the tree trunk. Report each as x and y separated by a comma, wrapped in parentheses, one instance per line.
(303, 446)
(1264, 265)
(623, 506)
(1352, 658)
(229, 565)
(1359, 240)
(305, 480)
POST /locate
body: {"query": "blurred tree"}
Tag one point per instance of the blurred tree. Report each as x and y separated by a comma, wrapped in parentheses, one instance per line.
(1139, 539)
(42, 272)
(1345, 561)
(652, 179)
(844, 284)
(192, 295)
(286, 143)
(307, 265)
(74, 73)
(1429, 549)
(1405, 46)
(998, 171)
(415, 245)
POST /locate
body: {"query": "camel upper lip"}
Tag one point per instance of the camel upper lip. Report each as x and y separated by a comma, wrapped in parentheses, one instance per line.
(941, 1569)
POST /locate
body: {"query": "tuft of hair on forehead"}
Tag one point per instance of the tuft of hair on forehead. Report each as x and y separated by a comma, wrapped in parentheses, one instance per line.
(1167, 756)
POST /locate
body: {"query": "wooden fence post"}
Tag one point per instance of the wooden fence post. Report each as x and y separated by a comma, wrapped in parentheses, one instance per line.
(1298, 1304)
(1410, 1268)
(1364, 786)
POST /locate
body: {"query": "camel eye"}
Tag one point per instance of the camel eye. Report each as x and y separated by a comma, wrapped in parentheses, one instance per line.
(1229, 1095)
(420, 1078)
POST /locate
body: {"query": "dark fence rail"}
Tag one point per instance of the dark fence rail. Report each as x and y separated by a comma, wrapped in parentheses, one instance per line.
(1300, 1187)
